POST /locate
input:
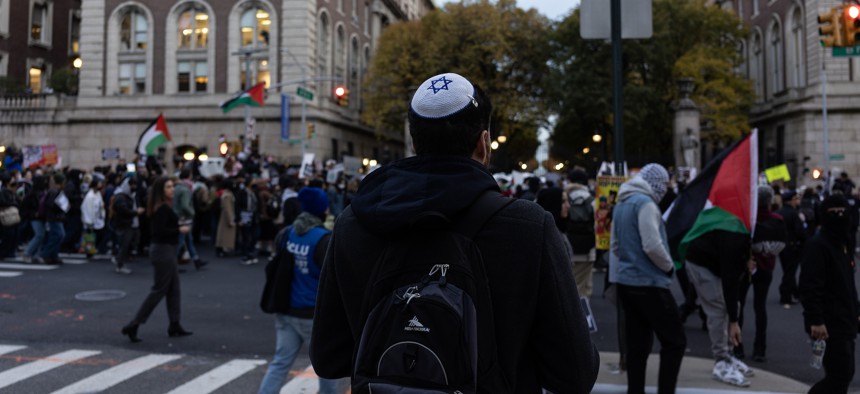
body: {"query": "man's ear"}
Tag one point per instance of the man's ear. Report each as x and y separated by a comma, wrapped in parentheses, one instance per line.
(481, 153)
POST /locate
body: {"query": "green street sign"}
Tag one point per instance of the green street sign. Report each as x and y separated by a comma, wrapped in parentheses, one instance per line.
(846, 51)
(839, 157)
(302, 92)
(294, 141)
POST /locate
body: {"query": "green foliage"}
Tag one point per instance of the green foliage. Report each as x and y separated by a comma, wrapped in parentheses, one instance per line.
(690, 39)
(499, 47)
(64, 81)
(11, 86)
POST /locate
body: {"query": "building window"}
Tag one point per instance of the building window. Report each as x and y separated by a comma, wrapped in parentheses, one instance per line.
(366, 18)
(193, 29)
(255, 26)
(340, 54)
(4, 64)
(133, 31)
(775, 60)
(132, 78)
(796, 46)
(40, 22)
(260, 72)
(755, 8)
(757, 67)
(4, 17)
(354, 71)
(192, 77)
(75, 32)
(322, 51)
(35, 80)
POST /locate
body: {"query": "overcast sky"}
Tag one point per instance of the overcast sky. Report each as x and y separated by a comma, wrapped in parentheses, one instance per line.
(554, 9)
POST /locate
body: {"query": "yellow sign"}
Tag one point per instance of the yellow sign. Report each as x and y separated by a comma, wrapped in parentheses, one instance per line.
(605, 200)
(777, 173)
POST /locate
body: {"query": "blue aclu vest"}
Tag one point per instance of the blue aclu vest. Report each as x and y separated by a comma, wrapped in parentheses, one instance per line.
(306, 274)
(634, 267)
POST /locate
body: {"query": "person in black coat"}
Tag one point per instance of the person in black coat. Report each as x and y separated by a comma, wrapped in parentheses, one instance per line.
(829, 296)
(8, 200)
(789, 258)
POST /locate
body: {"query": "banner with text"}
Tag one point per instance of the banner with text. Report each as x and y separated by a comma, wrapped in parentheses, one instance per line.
(606, 196)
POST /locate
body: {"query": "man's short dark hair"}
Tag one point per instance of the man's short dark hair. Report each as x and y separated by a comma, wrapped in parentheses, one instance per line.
(456, 134)
(185, 173)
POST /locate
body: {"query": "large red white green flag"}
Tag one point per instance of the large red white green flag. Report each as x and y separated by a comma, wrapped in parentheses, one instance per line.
(153, 136)
(721, 197)
(253, 97)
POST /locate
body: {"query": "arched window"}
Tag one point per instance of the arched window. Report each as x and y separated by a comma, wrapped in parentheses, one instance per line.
(133, 31)
(132, 57)
(365, 64)
(775, 61)
(757, 66)
(354, 69)
(193, 29)
(796, 43)
(323, 45)
(255, 29)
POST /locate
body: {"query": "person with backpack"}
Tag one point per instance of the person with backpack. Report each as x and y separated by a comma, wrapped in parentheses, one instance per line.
(434, 280)
(270, 209)
(580, 231)
(247, 208)
(125, 220)
(292, 278)
(184, 208)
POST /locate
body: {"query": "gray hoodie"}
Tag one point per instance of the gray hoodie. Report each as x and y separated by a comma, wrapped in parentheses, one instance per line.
(649, 219)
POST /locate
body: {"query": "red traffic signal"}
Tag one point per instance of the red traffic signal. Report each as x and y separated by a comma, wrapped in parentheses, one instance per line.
(852, 25)
(341, 95)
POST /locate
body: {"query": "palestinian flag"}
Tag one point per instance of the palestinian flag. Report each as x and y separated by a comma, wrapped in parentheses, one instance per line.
(252, 96)
(721, 197)
(154, 136)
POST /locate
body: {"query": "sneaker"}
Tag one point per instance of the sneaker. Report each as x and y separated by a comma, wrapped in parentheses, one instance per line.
(27, 259)
(725, 372)
(742, 368)
(123, 270)
(246, 261)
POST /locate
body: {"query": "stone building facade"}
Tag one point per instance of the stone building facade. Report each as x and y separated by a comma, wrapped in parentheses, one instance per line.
(184, 57)
(784, 61)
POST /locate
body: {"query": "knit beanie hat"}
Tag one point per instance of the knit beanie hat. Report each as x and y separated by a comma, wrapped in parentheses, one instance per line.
(765, 196)
(59, 178)
(443, 95)
(313, 200)
(657, 177)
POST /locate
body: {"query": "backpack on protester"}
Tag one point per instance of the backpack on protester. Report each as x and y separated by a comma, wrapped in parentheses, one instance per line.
(430, 299)
(580, 229)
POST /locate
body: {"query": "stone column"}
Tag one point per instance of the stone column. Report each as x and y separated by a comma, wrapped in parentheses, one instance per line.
(92, 48)
(686, 127)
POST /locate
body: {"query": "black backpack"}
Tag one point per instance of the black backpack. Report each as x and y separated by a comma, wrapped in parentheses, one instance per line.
(430, 294)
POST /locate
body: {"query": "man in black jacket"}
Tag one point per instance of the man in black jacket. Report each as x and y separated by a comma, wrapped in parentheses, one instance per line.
(789, 258)
(125, 219)
(829, 296)
(55, 206)
(541, 334)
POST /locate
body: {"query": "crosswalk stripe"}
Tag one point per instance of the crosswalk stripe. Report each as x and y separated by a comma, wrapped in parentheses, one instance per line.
(75, 261)
(10, 274)
(21, 372)
(305, 382)
(38, 267)
(217, 377)
(4, 349)
(115, 375)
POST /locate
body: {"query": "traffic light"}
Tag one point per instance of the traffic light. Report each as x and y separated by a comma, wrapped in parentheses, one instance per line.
(831, 31)
(341, 95)
(816, 173)
(311, 129)
(851, 25)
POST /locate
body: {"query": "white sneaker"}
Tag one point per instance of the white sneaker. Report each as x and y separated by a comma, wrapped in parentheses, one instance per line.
(742, 368)
(123, 270)
(725, 372)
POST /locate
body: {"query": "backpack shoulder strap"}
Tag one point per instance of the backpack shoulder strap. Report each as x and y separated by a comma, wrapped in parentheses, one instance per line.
(476, 216)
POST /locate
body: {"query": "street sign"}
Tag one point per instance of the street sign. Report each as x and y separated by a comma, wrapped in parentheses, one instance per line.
(302, 92)
(838, 157)
(846, 51)
(110, 154)
(636, 19)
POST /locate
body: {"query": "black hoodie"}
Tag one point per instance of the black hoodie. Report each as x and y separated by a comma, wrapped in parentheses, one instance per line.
(541, 333)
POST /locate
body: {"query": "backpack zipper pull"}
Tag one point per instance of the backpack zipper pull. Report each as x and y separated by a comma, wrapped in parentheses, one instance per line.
(443, 280)
(411, 293)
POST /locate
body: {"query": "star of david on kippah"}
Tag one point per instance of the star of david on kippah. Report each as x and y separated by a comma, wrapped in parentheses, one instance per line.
(443, 80)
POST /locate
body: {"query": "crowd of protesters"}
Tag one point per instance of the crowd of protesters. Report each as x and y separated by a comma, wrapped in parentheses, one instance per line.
(102, 212)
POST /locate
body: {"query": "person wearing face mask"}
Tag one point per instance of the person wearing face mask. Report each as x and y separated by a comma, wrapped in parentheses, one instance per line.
(829, 296)
(643, 269)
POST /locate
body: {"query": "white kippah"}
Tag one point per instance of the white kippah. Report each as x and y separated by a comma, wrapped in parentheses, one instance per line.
(443, 95)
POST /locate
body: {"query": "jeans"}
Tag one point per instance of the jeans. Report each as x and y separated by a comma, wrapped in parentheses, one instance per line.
(56, 233)
(38, 237)
(188, 241)
(247, 241)
(650, 311)
(126, 241)
(790, 260)
(760, 282)
(291, 333)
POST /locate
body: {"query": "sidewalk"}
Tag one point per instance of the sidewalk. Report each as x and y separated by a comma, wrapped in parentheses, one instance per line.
(695, 378)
